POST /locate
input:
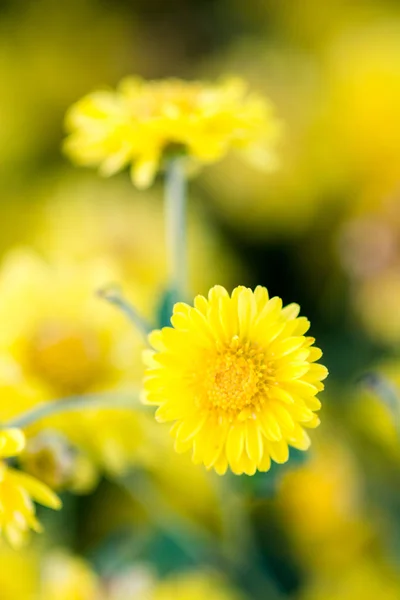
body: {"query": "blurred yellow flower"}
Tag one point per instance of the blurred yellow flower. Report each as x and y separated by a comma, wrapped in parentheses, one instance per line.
(31, 574)
(321, 507)
(196, 586)
(15, 562)
(367, 580)
(142, 122)
(17, 490)
(362, 71)
(58, 340)
(376, 300)
(65, 577)
(140, 583)
(84, 218)
(236, 374)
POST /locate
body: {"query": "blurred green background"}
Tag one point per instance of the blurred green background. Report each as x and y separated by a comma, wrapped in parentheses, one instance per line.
(323, 231)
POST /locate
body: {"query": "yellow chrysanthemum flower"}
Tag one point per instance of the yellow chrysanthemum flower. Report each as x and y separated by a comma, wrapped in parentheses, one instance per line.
(17, 490)
(236, 374)
(142, 121)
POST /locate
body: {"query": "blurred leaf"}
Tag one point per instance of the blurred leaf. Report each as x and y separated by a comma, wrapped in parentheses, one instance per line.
(165, 307)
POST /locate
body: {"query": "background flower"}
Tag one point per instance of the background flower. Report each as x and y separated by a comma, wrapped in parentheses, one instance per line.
(141, 122)
(18, 491)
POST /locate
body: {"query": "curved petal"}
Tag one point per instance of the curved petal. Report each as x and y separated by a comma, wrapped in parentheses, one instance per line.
(254, 441)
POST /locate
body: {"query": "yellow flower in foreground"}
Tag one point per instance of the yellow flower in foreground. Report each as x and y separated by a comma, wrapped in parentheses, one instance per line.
(17, 490)
(236, 374)
(141, 121)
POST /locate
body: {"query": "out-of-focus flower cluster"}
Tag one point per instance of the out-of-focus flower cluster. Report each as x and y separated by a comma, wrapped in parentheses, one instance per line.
(63, 576)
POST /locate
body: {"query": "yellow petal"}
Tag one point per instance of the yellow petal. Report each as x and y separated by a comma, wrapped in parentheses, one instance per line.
(292, 370)
(143, 172)
(261, 297)
(279, 451)
(281, 348)
(279, 393)
(254, 442)
(312, 423)
(201, 304)
(235, 442)
(317, 373)
(291, 311)
(301, 326)
(314, 354)
(221, 465)
(283, 416)
(265, 463)
(12, 442)
(269, 424)
(215, 444)
(190, 427)
(37, 490)
(299, 439)
(246, 310)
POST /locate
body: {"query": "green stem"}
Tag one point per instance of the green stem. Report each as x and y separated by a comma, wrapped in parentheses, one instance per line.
(175, 218)
(236, 553)
(114, 296)
(240, 544)
(144, 493)
(72, 404)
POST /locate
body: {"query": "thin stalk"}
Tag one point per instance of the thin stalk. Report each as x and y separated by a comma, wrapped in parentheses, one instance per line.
(114, 296)
(240, 544)
(175, 221)
(144, 493)
(237, 555)
(73, 404)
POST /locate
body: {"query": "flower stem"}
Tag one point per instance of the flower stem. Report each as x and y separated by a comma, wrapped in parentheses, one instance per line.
(114, 296)
(72, 404)
(240, 544)
(175, 218)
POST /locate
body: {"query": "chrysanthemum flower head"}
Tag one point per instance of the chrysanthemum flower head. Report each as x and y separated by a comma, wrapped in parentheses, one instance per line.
(17, 490)
(142, 122)
(238, 376)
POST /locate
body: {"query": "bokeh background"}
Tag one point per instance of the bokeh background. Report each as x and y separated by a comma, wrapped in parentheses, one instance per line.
(323, 230)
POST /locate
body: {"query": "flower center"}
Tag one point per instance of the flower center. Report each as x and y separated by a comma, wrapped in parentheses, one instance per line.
(67, 356)
(235, 380)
